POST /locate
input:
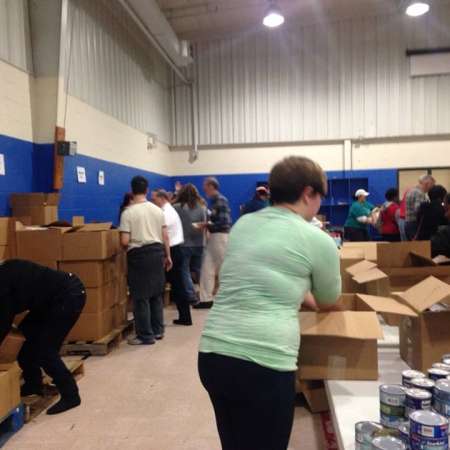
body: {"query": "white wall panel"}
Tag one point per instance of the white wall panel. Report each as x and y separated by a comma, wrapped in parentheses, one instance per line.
(345, 79)
(115, 69)
(14, 34)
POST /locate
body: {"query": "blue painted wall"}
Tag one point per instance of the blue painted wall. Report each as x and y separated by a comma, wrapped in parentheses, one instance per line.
(241, 187)
(29, 167)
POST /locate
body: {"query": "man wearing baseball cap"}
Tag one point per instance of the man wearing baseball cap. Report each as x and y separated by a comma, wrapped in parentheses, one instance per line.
(356, 225)
(259, 201)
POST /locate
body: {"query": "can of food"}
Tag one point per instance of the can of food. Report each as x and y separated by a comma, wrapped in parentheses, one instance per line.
(365, 433)
(417, 399)
(404, 434)
(446, 357)
(387, 443)
(392, 405)
(408, 375)
(442, 366)
(423, 383)
(428, 425)
(442, 397)
(437, 374)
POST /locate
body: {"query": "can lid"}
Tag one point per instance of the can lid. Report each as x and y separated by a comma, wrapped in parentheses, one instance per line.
(428, 418)
(435, 371)
(413, 374)
(418, 393)
(368, 427)
(388, 443)
(422, 382)
(442, 366)
(393, 389)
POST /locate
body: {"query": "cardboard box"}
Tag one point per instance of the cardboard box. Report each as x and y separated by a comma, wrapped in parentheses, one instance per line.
(369, 249)
(92, 273)
(100, 298)
(349, 257)
(8, 237)
(122, 289)
(367, 278)
(10, 347)
(92, 326)
(4, 252)
(39, 215)
(77, 221)
(40, 244)
(120, 314)
(314, 393)
(9, 388)
(115, 236)
(425, 334)
(340, 345)
(88, 243)
(33, 199)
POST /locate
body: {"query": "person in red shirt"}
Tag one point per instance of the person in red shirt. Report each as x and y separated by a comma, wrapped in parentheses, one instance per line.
(402, 216)
(389, 216)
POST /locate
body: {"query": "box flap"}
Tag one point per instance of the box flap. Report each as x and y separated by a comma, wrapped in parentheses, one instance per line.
(78, 221)
(368, 249)
(362, 266)
(369, 275)
(351, 253)
(441, 260)
(419, 260)
(398, 254)
(426, 294)
(93, 227)
(386, 305)
(346, 324)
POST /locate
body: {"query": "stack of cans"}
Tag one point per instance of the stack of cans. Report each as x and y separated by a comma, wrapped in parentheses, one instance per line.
(365, 433)
(417, 399)
(409, 375)
(392, 405)
(442, 398)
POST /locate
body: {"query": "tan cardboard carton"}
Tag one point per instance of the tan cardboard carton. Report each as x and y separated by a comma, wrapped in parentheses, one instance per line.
(92, 273)
(340, 345)
(92, 326)
(123, 289)
(4, 252)
(34, 199)
(314, 393)
(369, 249)
(10, 347)
(40, 244)
(78, 221)
(41, 208)
(89, 242)
(8, 237)
(349, 257)
(9, 388)
(100, 298)
(367, 278)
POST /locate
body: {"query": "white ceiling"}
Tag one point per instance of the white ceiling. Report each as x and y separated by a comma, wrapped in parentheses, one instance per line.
(200, 19)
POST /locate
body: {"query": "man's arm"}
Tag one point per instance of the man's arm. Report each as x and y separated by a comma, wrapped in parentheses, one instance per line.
(168, 260)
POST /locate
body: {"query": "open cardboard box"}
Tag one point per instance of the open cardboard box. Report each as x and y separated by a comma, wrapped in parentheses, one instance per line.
(348, 257)
(42, 208)
(340, 345)
(314, 393)
(10, 347)
(9, 388)
(368, 250)
(366, 278)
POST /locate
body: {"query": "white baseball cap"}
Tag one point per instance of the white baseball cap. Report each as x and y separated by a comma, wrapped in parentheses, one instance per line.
(360, 192)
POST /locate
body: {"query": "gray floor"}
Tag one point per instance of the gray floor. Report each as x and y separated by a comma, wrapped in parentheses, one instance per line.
(145, 398)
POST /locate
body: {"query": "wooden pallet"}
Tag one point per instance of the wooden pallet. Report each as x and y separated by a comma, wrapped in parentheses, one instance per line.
(101, 347)
(11, 424)
(36, 405)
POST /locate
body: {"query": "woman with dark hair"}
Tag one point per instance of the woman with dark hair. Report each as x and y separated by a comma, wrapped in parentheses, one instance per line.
(192, 211)
(126, 202)
(250, 344)
(431, 215)
(389, 215)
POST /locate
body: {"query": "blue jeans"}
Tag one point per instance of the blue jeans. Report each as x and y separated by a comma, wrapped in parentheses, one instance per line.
(192, 262)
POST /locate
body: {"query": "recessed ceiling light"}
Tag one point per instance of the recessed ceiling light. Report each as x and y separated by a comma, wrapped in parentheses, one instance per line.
(417, 8)
(273, 18)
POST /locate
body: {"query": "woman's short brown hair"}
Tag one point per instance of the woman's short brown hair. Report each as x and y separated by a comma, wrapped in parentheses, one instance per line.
(289, 178)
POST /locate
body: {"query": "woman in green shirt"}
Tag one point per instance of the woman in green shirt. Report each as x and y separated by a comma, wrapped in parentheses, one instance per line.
(250, 345)
(359, 217)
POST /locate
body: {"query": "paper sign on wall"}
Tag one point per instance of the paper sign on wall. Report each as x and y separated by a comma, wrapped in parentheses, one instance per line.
(81, 174)
(2, 165)
(101, 177)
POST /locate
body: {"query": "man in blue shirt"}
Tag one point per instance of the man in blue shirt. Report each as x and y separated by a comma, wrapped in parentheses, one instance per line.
(259, 201)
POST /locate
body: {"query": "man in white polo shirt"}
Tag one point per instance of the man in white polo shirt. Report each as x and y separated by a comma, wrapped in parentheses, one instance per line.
(175, 277)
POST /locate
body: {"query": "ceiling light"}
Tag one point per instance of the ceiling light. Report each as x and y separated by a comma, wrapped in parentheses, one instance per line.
(417, 8)
(273, 18)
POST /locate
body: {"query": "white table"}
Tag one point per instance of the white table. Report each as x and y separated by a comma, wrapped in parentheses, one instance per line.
(354, 401)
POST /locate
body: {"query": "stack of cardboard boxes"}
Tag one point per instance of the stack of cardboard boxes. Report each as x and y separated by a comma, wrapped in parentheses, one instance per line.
(35, 208)
(92, 252)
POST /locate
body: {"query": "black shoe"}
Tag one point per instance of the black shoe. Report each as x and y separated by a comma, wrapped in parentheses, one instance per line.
(159, 337)
(203, 305)
(64, 404)
(182, 322)
(27, 391)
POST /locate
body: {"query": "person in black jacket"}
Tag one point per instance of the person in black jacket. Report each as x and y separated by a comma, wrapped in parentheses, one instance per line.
(431, 215)
(54, 301)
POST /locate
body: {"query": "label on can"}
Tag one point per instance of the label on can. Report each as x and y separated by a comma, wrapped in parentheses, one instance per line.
(423, 443)
(390, 421)
(442, 407)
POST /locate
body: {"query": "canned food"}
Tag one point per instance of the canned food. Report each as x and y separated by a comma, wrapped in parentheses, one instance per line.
(392, 394)
(387, 443)
(417, 399)
(441, 366)
(422, 443)
(444, 357)
(442, 397)
(423, 383)
(437, 374)
(364, 434)
(408, 375)
(428, 425)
